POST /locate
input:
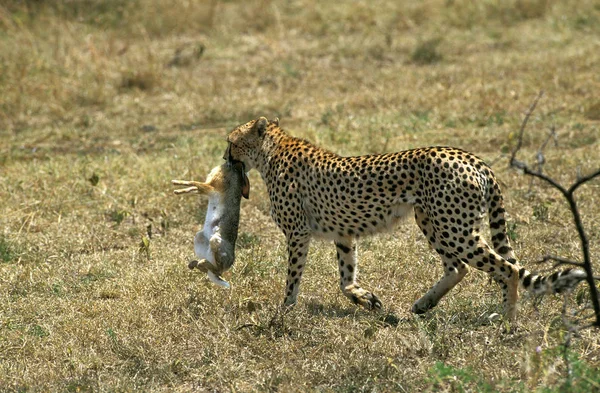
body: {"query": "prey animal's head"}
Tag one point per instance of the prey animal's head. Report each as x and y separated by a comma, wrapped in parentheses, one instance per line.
(238, 168)
(245, 142)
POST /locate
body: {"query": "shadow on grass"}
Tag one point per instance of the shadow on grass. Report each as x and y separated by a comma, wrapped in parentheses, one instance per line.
(335, 311)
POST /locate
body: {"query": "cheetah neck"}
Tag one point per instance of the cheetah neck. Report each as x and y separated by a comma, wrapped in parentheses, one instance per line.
(275, 140)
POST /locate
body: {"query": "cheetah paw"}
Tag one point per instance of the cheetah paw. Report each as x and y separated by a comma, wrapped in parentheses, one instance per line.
(422, 306)
(368, 300)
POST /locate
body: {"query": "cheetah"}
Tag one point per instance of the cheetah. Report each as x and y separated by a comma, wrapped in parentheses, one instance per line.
(315, 193)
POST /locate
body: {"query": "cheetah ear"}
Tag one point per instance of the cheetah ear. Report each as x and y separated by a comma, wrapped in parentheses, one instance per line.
(275, 121)
(261, 125)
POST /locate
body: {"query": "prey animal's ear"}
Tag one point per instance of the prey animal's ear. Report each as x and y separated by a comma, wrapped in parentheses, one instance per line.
(239, 168)
(245, 185)
(261, 125)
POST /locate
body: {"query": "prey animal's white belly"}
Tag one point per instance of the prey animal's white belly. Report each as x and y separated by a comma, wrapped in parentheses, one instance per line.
(211, 230)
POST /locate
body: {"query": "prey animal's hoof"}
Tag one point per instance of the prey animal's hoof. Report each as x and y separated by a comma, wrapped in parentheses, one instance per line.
(193, 264)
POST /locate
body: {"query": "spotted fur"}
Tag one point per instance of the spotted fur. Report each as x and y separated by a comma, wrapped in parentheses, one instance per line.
(316, 193)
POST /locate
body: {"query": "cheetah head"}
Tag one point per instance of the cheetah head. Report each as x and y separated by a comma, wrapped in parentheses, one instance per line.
(245, 142)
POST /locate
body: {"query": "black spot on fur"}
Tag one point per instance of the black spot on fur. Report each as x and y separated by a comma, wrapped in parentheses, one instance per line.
(343, 248)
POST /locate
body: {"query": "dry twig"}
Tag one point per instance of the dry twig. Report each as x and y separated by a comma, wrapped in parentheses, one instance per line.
(568, 193)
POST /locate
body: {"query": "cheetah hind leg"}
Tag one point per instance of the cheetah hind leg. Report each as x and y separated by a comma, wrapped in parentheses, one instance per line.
(452, 276)
(454, 270)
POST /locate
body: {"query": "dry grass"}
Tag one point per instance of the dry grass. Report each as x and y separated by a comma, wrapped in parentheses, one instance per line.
(102, 104)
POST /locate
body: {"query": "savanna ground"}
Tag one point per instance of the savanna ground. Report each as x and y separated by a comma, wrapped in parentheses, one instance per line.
(102, 103)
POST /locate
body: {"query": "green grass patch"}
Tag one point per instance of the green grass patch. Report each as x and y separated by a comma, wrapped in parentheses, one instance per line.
(7, 251)
(427, 52)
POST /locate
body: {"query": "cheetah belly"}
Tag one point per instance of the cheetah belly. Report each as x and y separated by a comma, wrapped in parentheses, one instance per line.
(399, 212)
(356, 222)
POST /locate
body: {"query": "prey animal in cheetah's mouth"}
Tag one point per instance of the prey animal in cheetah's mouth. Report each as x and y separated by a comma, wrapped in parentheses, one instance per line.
(215, 243)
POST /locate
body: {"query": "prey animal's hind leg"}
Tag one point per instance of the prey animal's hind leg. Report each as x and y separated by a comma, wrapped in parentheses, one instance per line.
(454, 269)
(203, 265)
(222, 252)
(346, 255)
(202, 249)
(192, 186)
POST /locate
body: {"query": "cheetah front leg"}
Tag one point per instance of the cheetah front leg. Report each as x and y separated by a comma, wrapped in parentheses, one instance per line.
(346, 254)
(297, 251)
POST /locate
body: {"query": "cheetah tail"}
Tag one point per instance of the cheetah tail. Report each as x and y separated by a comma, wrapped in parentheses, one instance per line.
(559, 282)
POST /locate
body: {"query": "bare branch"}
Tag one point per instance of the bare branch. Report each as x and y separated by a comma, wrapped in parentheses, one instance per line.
(495, 160)
(583, 180)
(586, 265)
(584, 327)
(551, 136)
(541, 160)
(545, 178)
(523, 125)
(559, 261)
